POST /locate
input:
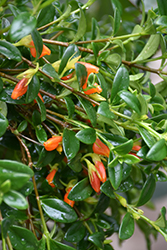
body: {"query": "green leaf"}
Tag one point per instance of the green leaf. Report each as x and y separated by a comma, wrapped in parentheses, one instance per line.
(130, 159)
(152, 89)
(131, 100)
(33, 89)
(94, 26)
(58, 210)
(42, 108)
(41, 134)
(158, 151)
(162, 7)
(70, 106)
(103, 84)
(107, 189)
(97, 239)
(46, 157)
(1, 84)
(46, 15)
(81, 27)
(76, 232)
(81, 191)
(121, 82)
(22, 25)
(126, 229)
(10, 51)
(89, 109)
(147, 137)
(161, 176)
(21, 237)
(126, 185)
(117, 19)
(124, 148)
(75, 163)
(81, 73)
(104, 110)
(70, 144)
(55, 245)
(22, 126)
(49, 70)
(147, 190)
(115, 175)
(70, 53)
(87, 135)
(37, 39)
(15, 166)
(149, 49)
(3, 124)
(15, 11)
(15, 200)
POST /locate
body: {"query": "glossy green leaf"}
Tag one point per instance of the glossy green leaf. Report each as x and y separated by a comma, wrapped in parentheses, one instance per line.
(126, 170)
(15, 200)
(22, 25)
(36, 117)
(130, 159)
(117, 19)
(149, 49)
(104, 110)
(46, 15)
(162, 7)
(15, 166)
(102, 204)
(103, 84)
(143, 104)
(81, 191)
(94, 26)
(87, 135)
(41, 107)
(124, 148)
(115, 175)
(21, 237)
(89, 109)
(5, 186)
(76, 232)
(127, 227)
(147, 137)
(70, 144)
(75, 163)
(81, 27)
(1, 84)
(58, 210)
(103, 224)
(107, 189)
(41, 134)
(126, 185)
(152, 89)
(158, 151)
(46, 157)
(81, 73)
(10, 51)
(121, 82)
(161, 176)
(55, 245)
(147, 190)
(15, 11)
(97, 239)
(3, 124)
(33, 89)
(71, 52)
(49, 70)
(70, 106)
(131, 100)
(37, 39)
(22, 126)
(161, 221)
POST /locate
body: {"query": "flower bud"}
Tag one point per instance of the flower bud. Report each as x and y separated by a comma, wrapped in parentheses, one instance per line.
(100, 148)
(45, 50)
(52, 143)
(101, 171)
(95, 89)
(94, 181)
(50, 177)
(70, 202)
(20, 88)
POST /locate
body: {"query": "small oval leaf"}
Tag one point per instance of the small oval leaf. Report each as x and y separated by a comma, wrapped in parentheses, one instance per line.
(87, 135)
(126, 229)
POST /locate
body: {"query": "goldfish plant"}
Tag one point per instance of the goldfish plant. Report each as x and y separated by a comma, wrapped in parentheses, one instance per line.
(83, 128)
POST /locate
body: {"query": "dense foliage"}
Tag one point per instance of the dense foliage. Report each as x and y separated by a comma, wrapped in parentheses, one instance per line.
(83, 129)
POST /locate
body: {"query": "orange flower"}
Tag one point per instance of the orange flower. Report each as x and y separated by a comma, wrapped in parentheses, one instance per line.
(136, 147)
(53, 143)
(96, 89)
(67, 77)
(39, 97)
(100, 148)
(94, 181)
(45, 51)
(90, 69)
(50, 177)
(70, 202)
(101, 171)
(20, 88)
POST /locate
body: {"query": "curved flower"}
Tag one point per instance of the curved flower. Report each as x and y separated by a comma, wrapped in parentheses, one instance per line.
(20, 88)
(45, 50)
(94, 181)
(95, 89)
(100, 148)
(50, 177)
(52, 143)
(68, 201)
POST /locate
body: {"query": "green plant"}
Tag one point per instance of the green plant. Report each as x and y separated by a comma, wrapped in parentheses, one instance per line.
(82, 127)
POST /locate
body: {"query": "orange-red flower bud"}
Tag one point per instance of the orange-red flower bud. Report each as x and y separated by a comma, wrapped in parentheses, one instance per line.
(52, 143)
(90, 69)
(101, 171)
(136, 147)
(131, 153)
(94, 181)
(70, 202)
(96, 89)
(20, 88)
(45, 50)
(69, 76)
(100, 148)
(50, 177)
